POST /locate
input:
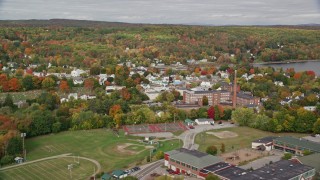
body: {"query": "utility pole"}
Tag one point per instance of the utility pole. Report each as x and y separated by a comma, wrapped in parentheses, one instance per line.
(23, 135)
(94, 173)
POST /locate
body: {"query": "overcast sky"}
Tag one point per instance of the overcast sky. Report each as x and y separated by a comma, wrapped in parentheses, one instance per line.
(206, 12)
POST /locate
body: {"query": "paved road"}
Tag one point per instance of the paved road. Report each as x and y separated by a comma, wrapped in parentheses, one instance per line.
(148, 169)
(188, 136)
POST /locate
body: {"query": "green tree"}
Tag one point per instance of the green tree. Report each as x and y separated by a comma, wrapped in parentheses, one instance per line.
(205, 101)
(212, 150)
(304, 121)
(14, 146)
(8, 101)
(243, 116)
(7, 160)
(48, 83)
(316, 127)
(56, 127)
(212, 177)
(160, 155)
(287, 156)
(27, 83)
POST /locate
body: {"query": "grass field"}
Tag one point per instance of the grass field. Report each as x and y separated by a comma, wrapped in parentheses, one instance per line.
(100, 144)
(50, 169)
(245, 136)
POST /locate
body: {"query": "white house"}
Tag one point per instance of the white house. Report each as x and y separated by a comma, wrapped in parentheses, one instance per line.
(77, 72)
(77, 80)
(263, 143)
(310, 108)
(204, 121)
(73, 95)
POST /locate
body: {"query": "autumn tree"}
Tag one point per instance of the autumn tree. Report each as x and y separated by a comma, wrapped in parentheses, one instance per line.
(89, 84)
(14, 84)
(211, 112)
(48, 83)
(64, 86)
(223, 148)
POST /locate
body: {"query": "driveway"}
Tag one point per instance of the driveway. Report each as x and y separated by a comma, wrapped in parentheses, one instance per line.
(188, 136)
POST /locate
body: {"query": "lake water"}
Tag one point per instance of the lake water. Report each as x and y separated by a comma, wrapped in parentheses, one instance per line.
(298, 66)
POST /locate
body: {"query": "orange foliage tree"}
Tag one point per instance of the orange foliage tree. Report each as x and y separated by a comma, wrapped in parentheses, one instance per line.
(14, 84)
(88, 84)
(64, 86)
(115, 109)
(4, 82)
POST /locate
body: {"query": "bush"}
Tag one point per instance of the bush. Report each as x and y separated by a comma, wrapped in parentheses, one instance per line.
(287, 156)
(212, 150)
(6, 160)
(306, 152)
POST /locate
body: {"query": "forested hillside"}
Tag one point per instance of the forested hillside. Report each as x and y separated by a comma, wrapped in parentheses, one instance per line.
(88, 43)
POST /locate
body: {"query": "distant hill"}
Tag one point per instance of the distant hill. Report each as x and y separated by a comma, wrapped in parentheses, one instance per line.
(89, 23)
(62, 22)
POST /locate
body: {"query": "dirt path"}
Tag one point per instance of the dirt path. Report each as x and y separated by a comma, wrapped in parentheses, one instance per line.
(54, 157)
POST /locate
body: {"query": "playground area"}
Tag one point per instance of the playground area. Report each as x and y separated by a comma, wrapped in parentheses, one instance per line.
(242, 155)
(153, 128)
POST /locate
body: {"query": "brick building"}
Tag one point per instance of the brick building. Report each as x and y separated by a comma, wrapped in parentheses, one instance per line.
(191, 162)
(214, 97)
(246, 99)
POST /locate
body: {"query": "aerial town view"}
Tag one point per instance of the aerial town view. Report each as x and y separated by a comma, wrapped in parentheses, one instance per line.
(159, 90)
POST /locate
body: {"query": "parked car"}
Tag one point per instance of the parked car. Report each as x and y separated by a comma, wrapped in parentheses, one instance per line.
(212, 123)
(191, 127)
(220, 123)
(170, 171)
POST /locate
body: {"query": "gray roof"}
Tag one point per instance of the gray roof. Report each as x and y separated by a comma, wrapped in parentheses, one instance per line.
(204, 119)
(193, 158)
(265, 139)
(312, 146)
(311, 160)
(281, 170)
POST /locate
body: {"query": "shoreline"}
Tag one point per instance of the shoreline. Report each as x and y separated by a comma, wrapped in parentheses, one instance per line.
(285, 62)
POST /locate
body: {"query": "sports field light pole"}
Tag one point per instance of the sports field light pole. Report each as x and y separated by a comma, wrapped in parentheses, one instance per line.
(23, 135)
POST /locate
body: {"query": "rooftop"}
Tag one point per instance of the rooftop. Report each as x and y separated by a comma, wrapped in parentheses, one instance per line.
(265, 139)
(311, 160)
(312, 146)
(215, 167)
(232, 172)
(281, 170)
(193, 157)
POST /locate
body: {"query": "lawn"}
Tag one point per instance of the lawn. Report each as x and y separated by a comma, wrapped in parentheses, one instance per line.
(50, 169)
(17, 96)
(100, 144)
(245, 136)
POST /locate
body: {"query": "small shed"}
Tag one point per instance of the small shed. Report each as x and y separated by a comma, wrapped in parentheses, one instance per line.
(263, 143)
(189, 122)
(203, 121)
(106, 176)
(119, 174)
(18, 160)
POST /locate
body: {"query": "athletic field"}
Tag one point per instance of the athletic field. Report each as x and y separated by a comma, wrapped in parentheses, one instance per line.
(51, 169)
